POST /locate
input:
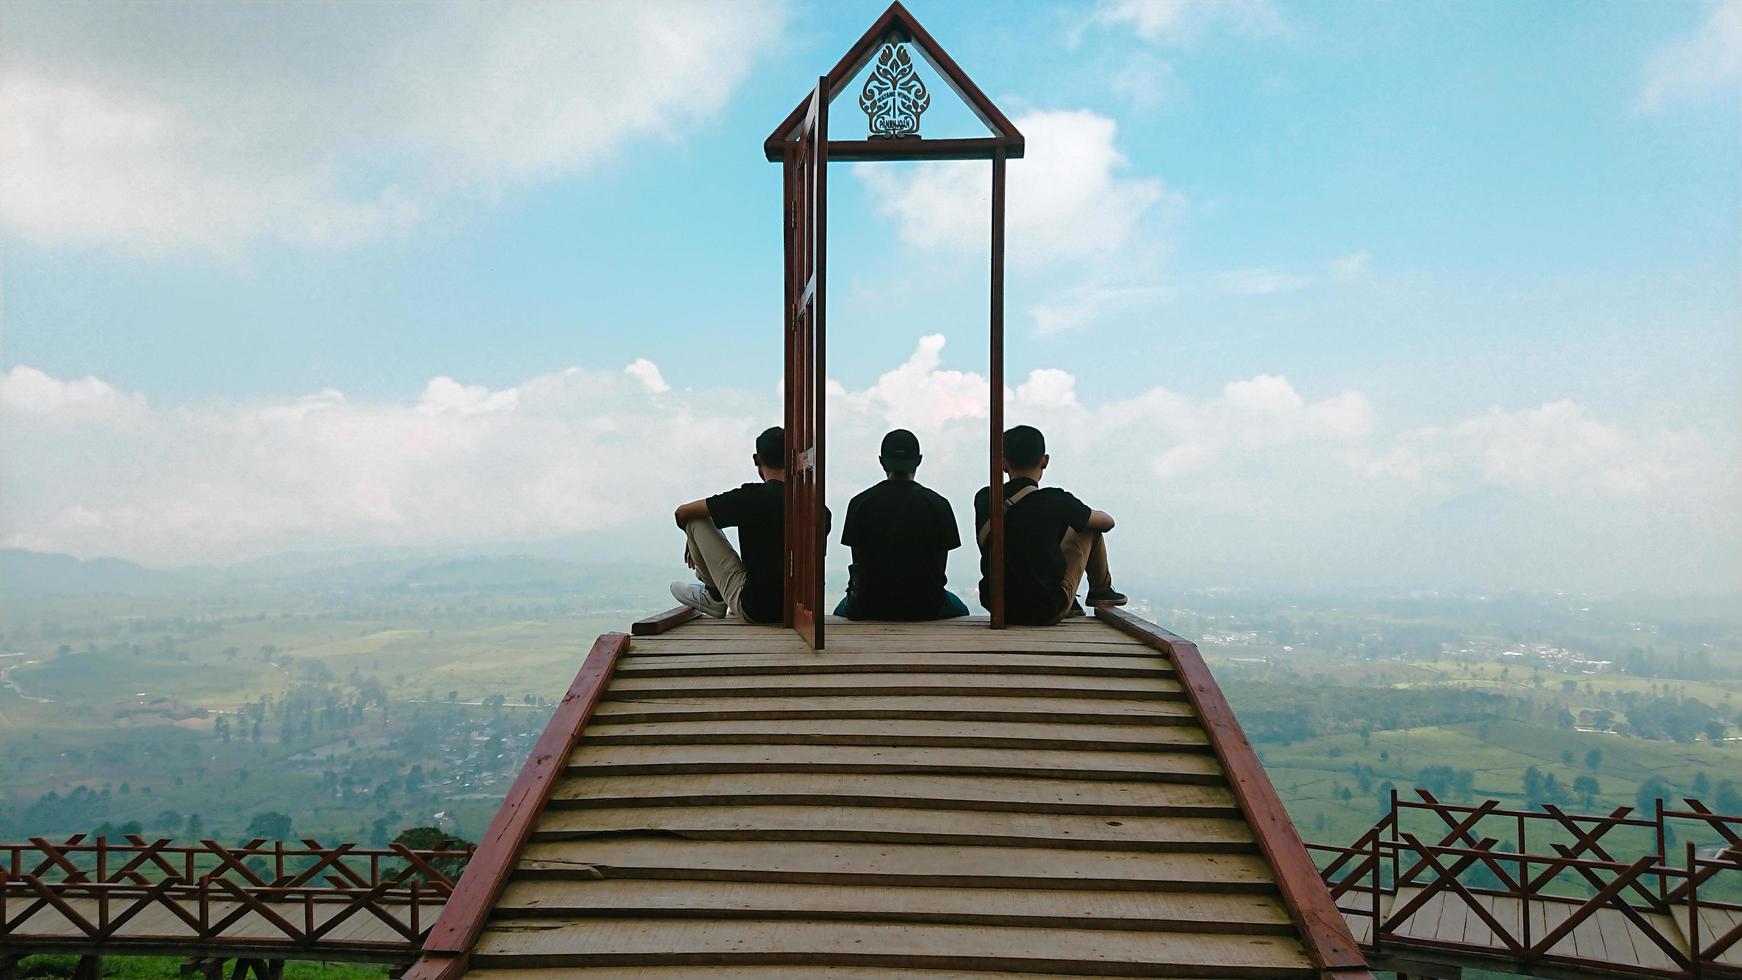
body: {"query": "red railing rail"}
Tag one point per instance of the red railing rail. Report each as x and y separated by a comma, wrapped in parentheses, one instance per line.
(1572, 865)
(85, 890)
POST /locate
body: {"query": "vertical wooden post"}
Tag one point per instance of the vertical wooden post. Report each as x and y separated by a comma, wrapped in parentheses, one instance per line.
(1378, 884)
(995, 479)
(819, 502)
(1523, 867)
(789, 389)
(1662, 853)
(1694, 909)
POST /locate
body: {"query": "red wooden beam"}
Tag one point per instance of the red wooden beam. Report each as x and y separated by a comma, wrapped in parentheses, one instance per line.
(994, 602)
(660, 622)
(450, 941)
(914, 148)
(1323, 930)
(894, 20)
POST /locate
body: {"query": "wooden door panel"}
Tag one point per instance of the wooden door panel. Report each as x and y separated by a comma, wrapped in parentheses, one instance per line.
(806, 179)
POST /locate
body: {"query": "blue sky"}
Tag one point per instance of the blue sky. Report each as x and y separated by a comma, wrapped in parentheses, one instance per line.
(1486, 254)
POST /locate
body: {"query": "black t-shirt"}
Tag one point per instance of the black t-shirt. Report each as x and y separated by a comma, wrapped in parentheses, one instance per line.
(1034, 568)
(758, 511)
(901, 534)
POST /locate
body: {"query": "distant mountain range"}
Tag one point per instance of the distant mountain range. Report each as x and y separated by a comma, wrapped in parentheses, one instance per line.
(34, 573)
(26, 573)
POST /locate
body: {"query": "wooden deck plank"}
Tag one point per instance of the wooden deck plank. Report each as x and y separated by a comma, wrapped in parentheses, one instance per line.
(1041, 710)
(900, 731)
(903, 826)
(628, 760)
(1618, 935)
(1178, 911)
(861, 641)
(1646, 953)
(847, 627)
(1454, 916)
(1081, 665)
(628, 942)
(1424, 921)
(1476, 931)
(1100, 646)
(764, 972)
(1588, 938)
(1715, 922)
(873, 684)
(1544, 918)
(885, 864)
(1031, 795)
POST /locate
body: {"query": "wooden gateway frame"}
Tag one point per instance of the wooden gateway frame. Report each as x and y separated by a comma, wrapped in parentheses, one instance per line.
(893, 101)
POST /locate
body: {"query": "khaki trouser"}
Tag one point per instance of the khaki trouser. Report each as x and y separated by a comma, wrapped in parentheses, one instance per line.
(1085, 554)
(717, 562)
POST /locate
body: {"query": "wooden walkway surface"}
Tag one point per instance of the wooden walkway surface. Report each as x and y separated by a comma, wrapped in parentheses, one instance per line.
(1607, 937)
(919, 799)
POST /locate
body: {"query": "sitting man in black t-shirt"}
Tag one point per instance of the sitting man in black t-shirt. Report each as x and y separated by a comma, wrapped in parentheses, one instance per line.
(753, 586)
(901, 534)
(1051, 539)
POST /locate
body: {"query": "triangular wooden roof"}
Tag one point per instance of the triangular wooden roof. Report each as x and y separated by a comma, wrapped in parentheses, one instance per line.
(713, 799)
(897, 22)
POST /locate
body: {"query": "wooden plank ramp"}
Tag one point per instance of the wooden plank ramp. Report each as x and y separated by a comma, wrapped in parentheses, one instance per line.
(920, 799)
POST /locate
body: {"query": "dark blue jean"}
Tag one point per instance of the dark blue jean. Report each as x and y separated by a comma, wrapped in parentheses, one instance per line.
(950, 608)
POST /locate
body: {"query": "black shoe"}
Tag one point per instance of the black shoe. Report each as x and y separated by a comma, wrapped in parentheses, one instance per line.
(1075, 610)
(1106, 597)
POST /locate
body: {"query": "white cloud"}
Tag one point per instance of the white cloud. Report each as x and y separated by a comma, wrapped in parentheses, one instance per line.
(1067, 198)
(1090, 237)
(1147, 82)
(1711, 60)
(920, 394)
(166, 129)
(1048, 388)
(1078, 306)
(445, 396)
(1254, 479)
(1555, 450)
(27, 391)
(647, 372)
(1352, 266)
(1178, 22)
(1261, 282)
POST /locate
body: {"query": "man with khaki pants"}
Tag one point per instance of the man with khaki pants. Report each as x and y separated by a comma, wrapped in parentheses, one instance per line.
(753, 586)
(1051, 540)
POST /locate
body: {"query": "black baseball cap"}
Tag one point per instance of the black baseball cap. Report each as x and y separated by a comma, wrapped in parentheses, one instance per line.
(771, 446)
(1024, 446)
(900, 452)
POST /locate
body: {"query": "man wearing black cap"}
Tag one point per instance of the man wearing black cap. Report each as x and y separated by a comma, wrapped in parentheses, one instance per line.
(901, 534)
(753, 586)
(1051, 540)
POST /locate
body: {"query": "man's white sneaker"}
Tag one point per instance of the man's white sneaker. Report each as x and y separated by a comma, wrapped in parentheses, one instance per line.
(696, 596)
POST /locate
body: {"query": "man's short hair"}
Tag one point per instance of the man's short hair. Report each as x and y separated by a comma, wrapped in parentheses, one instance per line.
(1023, 447)
(771, 446)
(900, 452)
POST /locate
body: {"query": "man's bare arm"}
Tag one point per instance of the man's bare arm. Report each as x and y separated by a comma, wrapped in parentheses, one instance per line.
(1100, 520)
(695, 510)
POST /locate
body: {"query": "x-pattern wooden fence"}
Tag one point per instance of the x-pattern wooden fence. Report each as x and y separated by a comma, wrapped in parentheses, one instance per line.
(261, 894)
(1397, 859)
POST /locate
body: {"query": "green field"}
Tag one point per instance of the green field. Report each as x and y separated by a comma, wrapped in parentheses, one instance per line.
(360, 709)
(124, 702)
